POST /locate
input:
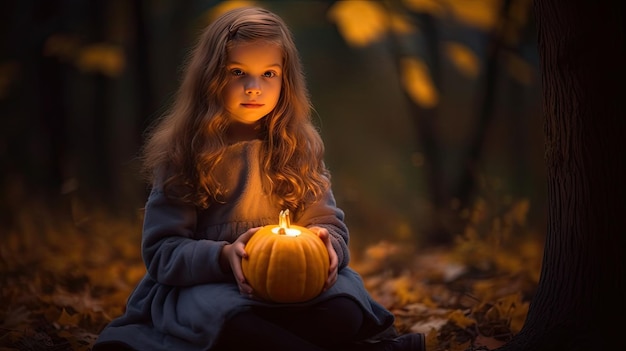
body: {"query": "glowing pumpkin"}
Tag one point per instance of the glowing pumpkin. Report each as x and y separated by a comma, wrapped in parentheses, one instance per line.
(286, 263)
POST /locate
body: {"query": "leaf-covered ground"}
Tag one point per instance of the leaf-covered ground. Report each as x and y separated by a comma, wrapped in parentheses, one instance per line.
(63, 280)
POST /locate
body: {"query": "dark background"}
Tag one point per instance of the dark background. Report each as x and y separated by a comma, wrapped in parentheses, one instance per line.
(81, 80)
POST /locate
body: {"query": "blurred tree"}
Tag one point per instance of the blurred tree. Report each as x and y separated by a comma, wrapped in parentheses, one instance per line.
(413, 30)
(77, 89)
(579, 303)
(33, 136)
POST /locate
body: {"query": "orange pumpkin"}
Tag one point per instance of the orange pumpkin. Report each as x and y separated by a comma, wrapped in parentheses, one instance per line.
(286, 263)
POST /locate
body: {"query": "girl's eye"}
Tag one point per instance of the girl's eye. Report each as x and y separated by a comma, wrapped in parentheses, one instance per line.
(236, 72)
(269, 74)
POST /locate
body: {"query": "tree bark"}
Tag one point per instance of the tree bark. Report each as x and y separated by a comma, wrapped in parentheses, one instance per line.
(579, 303)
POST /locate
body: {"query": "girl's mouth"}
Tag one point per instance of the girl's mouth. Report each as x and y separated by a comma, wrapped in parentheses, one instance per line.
(250, 105)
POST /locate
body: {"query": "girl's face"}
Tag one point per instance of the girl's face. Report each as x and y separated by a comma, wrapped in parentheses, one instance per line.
(254, 81)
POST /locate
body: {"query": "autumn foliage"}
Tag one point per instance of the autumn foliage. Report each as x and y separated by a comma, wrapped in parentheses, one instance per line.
(63, 278)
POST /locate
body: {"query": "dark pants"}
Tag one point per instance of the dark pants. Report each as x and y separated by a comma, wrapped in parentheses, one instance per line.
(325, 326)
(329, 325)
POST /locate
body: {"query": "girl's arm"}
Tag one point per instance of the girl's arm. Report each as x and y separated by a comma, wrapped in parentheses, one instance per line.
(171, 253)
(325, 214)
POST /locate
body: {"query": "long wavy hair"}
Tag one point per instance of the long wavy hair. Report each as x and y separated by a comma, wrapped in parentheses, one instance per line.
(187, 143)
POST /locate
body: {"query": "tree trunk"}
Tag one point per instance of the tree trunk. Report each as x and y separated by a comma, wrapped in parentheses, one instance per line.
(579, 303)
(423, 118)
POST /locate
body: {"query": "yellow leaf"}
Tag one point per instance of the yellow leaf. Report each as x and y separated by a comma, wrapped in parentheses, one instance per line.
(519, 211)
(400, 24)
(482, 14)
(417, 83)
(382, 250)
(512, 309)
(68, 320)
(463, 58)
(360, 22)
(225, 6)
(458, 317)
(484, 290)
(103, 58)
(431, 340)
(404, 291)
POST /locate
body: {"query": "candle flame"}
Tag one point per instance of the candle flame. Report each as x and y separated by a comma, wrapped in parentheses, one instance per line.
(284, 225)
(283, 219)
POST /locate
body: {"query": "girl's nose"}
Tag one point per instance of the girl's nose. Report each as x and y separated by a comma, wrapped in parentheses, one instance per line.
(253, 91)
(253, 88)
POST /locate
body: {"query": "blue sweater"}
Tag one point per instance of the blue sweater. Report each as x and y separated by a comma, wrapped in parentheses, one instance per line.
(184, 298)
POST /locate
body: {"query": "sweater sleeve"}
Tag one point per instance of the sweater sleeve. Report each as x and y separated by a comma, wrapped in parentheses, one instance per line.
(326, 214)
(171, 253)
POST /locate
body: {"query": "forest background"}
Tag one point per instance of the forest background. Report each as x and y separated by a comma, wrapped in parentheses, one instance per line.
(429, 110)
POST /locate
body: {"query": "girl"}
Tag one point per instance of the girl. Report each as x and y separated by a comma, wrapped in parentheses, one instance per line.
(237, 147)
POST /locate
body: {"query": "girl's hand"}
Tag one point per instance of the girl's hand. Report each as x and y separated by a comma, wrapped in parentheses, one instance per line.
(332, 255)
(231, 257)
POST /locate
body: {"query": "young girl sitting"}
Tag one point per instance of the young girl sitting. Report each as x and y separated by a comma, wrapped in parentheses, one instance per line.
(237, 147)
